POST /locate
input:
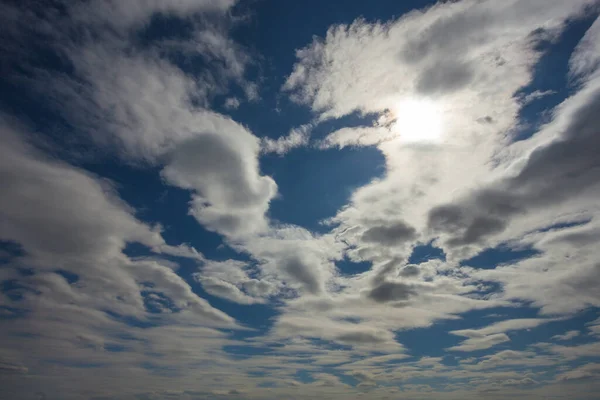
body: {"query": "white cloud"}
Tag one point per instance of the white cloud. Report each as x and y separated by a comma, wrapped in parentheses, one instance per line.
(66, 218)
(538, 94)
(136, 102)
(492, 335)
(481, 342)
(230, 195)
(297, 137)
(469, 189)
(585, 60)
(232, 281)
(567, 335)
(586, 371)
(232, 103)
(373, 67)
(443, 50)
(594, 327)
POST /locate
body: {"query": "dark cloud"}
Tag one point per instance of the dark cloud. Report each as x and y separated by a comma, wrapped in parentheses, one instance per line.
(554, 173)
(479, 228)
(567, 166)
(391, 291)
(447, 217)
(390, 235)
(389, 269)
(410, 270)
(362, 337)
(464, 225)
(301, 271)
(445, 77)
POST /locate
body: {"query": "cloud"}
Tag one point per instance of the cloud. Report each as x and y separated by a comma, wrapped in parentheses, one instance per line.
(297, 137)
(231, 281)
(136, 12)
(586, 371)
(567, 336)
(392, 291)
(75, 304)
(232, 103)
(128, 98)
(139, 103)
(481, 343)
(231, 197)
(536, 95)
(440, 50)
(389, 235)
(344, 333)
(10, 368)
(65, 218)
(585, 60)
(295, 256)
(504, 326)
(594, 327)
(370, 68)
(492, 335)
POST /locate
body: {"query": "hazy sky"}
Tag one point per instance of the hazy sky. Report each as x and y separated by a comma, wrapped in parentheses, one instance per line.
(299, 199)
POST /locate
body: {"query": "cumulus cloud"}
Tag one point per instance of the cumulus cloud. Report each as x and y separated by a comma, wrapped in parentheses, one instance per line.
(492, 335)
(231, 197)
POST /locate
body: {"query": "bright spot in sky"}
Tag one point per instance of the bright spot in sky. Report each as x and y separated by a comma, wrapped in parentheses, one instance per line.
(417, 121)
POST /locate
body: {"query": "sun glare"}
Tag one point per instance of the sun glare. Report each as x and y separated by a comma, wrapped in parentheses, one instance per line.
(417, 121)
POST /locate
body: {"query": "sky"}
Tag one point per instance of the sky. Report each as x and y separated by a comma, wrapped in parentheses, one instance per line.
(268, 199)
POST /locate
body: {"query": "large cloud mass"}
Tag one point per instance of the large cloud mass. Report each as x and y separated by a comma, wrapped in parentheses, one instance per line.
(467, 269)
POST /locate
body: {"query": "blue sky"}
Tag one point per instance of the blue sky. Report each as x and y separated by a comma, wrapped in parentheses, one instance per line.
(260, 199)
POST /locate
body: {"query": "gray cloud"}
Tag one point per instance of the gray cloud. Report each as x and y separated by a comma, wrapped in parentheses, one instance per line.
(392, 291)
(231, 196)
(444, 77)
(552, 174)
(410, 271)
(362, 337)
(304, 273)
(390, 235)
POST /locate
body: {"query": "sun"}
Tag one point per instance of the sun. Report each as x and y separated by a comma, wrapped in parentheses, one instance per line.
(416, 121)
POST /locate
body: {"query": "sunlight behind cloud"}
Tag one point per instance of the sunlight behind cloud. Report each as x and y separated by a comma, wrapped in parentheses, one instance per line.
(417, 120)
